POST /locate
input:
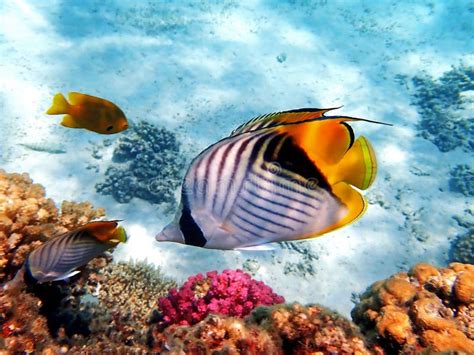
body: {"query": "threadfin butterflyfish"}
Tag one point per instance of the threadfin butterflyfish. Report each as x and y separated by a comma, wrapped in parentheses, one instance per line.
(89, 112)
(60, 257)
(280, 177)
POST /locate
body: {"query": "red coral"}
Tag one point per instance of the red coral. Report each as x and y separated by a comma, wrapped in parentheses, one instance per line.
(233, 293)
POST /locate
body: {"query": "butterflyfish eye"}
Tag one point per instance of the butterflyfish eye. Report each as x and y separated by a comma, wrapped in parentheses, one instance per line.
(110, 128)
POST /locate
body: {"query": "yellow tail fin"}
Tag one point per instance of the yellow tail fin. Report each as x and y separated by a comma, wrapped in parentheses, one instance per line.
(59, 106)
(358, 167)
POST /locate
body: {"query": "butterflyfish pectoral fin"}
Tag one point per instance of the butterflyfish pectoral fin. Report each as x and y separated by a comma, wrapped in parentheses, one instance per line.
(68, 121)
(358, 167)
(67, 276)
(59, 106)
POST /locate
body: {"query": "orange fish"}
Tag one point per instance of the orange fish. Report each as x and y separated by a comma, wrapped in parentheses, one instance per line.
(89, 112)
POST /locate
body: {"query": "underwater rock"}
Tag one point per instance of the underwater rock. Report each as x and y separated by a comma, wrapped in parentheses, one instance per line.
(148, 164)
(440, 102)
(424, 309)
(233, 293)
(28, 218)
(462, 248)
(462, 180)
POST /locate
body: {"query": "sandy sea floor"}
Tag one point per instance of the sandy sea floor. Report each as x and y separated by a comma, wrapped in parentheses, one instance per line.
(201, 70)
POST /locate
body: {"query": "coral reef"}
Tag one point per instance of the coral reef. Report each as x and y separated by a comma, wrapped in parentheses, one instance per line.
(215, 335)
(128, 291)
(23, 329)
(233, 293)
(462, 248)
(148, 164)
(424, 309)
(444, 120)
(282, 329)
(310, 329)
(28, 218)
(462, 180)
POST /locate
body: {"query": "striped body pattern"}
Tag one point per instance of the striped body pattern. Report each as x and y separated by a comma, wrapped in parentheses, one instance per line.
(61, 256)
(265, 183)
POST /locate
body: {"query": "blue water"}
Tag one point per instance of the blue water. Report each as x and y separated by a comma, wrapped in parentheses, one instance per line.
(202, 68)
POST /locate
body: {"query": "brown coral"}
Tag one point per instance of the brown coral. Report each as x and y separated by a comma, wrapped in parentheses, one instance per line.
(281, 329)
(23, 329)
(310, 329)
(128, 290)
(28, 218)
(215, 335)
(426, 308)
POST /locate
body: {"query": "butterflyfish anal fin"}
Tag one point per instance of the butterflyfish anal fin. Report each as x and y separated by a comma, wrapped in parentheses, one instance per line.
(354, 202)
(358, 167)
(59, 106)
(68, 121)
(279, 118)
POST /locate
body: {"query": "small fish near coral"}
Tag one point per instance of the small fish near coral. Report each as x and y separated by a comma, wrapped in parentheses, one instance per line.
(89, 112)
(59, 258)
(279, 177)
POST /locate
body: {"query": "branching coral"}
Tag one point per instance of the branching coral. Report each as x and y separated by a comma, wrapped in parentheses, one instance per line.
(282, 329)
(440, 103)
(424, 309)
(233, 292)
(462, 248)
(28, 218)
(128, 291)
(148, 165)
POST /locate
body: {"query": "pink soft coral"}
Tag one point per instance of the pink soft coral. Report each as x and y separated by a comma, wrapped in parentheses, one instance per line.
(233, 293)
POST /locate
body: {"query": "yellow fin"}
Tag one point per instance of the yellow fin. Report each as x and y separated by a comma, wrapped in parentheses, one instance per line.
(59, 106)
(329, 140)
(105, 230)
(353, 200)
(358, 167)
(69, 122)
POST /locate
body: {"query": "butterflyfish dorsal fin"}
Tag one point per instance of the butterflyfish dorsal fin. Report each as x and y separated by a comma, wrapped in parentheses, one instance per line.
(68, 121)
(281, 118)
(325, 141)
(101, 230)
(59, 106)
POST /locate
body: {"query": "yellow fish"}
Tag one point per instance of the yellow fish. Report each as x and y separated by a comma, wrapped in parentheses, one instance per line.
(280, 177)
(89, 112)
